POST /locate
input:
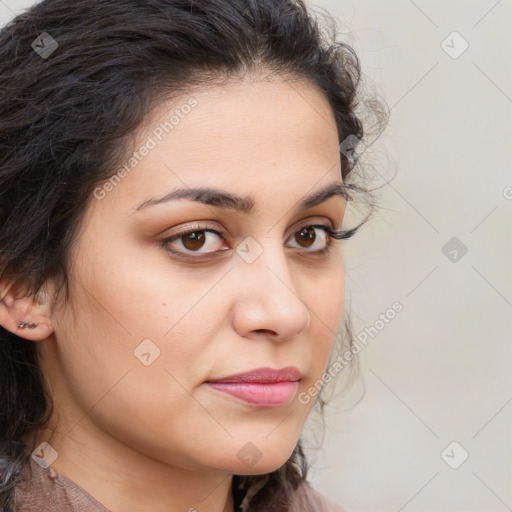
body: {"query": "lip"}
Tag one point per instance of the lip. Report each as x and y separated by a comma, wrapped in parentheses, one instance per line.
(264, 376)
(262, 387)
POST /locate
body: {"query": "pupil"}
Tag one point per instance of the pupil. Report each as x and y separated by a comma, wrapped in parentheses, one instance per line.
(306, 234)
(194, 240)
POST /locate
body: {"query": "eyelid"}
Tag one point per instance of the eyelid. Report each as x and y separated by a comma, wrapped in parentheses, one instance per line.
(207, 225)
(199, 226)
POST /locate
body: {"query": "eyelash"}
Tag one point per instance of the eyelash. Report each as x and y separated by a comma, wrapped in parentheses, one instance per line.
(331, 233)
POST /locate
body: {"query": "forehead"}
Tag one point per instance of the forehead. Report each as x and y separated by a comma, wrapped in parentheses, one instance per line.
(246, 113)
(251, 134)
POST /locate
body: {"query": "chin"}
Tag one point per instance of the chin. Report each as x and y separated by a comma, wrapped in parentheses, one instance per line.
(258, 469)
(254, 459)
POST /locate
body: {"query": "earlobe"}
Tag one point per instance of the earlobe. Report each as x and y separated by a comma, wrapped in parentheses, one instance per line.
(23, 314)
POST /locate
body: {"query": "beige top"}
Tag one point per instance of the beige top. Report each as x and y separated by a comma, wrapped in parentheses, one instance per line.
(45, 490)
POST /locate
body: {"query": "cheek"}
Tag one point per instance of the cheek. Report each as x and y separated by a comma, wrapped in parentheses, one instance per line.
(130, 317)
(325, 295)
(325, 300)
(133, 364)
(139, 294)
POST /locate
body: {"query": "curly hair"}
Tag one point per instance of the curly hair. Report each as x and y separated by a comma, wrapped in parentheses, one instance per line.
(65, 120)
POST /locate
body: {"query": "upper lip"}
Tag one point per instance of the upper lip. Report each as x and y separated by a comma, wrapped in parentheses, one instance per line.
(264, 375)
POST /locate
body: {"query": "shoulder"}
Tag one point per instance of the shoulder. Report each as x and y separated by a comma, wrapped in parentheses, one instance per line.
(308, 498)
(44, 490)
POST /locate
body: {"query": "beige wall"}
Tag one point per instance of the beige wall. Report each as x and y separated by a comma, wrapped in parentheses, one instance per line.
(440, 370)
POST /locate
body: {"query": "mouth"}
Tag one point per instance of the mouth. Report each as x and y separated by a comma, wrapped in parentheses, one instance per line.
(262, 387)
(262, 395)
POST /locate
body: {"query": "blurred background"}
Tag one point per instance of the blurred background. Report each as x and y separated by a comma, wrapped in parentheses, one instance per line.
(432, 431)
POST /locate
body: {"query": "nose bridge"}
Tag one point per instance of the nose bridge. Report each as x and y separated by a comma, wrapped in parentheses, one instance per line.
(265, 264)
(265, 272)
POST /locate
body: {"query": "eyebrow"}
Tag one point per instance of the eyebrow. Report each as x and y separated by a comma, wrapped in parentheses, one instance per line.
(243, 204)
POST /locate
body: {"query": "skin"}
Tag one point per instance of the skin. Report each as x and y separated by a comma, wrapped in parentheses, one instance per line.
(157, 437)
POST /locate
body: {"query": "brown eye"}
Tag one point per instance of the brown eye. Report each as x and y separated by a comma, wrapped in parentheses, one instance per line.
(194, 240)
(306, 236)
(203, 241)
(197, 240)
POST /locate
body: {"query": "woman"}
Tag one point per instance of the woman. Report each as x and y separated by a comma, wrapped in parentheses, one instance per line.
(173, 184)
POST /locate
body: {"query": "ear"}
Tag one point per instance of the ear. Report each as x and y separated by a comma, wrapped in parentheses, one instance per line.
(18, 305)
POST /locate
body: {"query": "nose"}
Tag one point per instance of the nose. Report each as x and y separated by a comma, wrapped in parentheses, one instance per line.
(268, 301)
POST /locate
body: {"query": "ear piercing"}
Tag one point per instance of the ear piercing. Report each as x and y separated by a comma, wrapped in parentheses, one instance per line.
(22, 325)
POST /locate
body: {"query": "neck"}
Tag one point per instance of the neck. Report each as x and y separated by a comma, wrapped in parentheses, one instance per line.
(125, 480)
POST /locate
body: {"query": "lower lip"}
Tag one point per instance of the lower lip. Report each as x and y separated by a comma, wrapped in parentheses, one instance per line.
(263, 395)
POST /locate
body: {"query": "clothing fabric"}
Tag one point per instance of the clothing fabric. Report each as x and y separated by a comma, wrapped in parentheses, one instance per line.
(45, 490)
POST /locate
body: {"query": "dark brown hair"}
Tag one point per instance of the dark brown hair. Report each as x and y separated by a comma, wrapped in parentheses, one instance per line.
(65, 116)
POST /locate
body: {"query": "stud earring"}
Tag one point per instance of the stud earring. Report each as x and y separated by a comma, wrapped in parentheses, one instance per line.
(22, 325)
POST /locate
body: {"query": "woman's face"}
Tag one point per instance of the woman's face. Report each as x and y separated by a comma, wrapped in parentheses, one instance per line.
(150, 323)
